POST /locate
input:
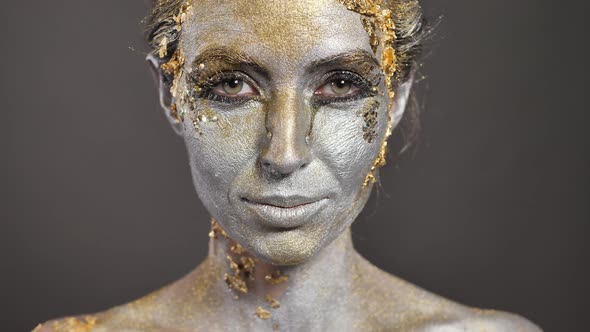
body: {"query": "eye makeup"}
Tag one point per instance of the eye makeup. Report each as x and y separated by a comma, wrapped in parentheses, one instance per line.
(207, 90)
(361, 87)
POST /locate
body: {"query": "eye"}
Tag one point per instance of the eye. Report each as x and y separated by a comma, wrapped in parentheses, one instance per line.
(234, 87)
(339, 87)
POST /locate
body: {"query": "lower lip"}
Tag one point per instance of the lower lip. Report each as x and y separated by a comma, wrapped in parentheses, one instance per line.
(286, 217)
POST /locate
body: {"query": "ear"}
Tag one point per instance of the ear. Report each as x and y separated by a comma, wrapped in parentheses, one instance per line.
(166, 99)
(402, 94)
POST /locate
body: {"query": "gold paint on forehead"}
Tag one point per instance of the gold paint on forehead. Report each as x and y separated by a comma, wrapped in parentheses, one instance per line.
(287, 28)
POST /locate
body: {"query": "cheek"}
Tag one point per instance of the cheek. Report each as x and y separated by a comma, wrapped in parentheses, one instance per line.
(348, 140)
(219, 151)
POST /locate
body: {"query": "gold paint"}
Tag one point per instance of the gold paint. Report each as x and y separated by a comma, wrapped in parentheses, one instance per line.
(183, 14)
(174, 68)
(275, 327)
(375, 17)
(73, 324)
(276, 279)
(261, 19)
(274, 304)
(369, 114)
(262, 314)
(235, 282)
(240, 263)
(163, 50)
(216, 230)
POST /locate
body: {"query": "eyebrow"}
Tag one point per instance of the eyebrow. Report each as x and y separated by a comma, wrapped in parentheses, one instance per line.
(222, 54)
(358, 57)
(229, 56)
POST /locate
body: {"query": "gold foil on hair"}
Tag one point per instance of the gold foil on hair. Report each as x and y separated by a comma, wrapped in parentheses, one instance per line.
(376, 18)
(174, 68)
(73, 324)
(163, 50)
(183, 14)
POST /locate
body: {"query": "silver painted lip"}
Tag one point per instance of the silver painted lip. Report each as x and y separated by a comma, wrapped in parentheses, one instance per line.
(285, 211)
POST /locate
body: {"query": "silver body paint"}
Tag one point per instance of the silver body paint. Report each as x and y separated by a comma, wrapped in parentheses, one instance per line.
(288, 197)
(228, 165)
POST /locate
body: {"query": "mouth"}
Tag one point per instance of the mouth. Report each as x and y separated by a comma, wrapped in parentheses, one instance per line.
(285, 212)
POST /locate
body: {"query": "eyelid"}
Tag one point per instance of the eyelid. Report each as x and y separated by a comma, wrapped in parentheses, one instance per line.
(361, 84)
(208, 93)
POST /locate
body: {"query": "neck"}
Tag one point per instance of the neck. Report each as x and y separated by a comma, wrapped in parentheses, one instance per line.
(281, 293)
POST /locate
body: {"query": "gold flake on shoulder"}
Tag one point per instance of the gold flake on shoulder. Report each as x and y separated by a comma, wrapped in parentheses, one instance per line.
(73, 324)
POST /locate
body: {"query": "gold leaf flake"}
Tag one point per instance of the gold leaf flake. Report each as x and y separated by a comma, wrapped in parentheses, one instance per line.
(262, 314)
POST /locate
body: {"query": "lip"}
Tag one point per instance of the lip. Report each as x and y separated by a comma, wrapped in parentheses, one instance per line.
(285, 211)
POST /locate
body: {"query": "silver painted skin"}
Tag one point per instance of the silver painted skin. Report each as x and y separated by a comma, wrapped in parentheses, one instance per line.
(298, 221)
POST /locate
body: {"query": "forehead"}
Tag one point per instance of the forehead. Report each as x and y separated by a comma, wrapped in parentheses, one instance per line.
(284, 31)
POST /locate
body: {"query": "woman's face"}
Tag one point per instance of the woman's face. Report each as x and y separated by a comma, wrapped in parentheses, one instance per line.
(284, 114)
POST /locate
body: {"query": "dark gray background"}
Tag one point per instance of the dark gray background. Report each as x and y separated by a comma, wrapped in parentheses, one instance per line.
(490, 209)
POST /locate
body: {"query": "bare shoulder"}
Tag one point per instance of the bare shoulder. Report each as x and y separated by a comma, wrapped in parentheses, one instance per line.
(158, 311)
(485, 320)
(79, 323)
(136, 316)
(404, 306)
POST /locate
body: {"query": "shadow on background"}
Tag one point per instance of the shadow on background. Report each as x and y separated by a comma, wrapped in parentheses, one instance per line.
(490, 209)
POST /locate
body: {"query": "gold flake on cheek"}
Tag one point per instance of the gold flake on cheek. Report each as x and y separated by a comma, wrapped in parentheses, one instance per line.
(73, 324)
(369, 114)
(376, 18)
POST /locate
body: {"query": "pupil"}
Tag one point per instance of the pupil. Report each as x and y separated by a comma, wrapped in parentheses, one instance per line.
(233, 84)
(341, 84)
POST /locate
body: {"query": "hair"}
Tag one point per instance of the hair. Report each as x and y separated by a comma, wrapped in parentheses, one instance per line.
(411, 29)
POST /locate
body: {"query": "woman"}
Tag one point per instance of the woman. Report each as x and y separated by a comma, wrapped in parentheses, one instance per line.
(285, 108)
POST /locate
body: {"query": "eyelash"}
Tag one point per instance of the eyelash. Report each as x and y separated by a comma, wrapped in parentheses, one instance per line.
(361, 84)
(207, 88)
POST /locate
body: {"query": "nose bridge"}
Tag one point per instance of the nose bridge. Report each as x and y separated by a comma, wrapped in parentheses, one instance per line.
(288, 122)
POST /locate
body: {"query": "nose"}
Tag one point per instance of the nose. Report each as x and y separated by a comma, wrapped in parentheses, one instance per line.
(288, 123)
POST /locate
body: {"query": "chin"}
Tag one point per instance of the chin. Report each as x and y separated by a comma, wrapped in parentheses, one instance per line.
(286, 247)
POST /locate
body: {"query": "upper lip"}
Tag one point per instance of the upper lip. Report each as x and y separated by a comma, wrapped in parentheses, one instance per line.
(285, 202)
